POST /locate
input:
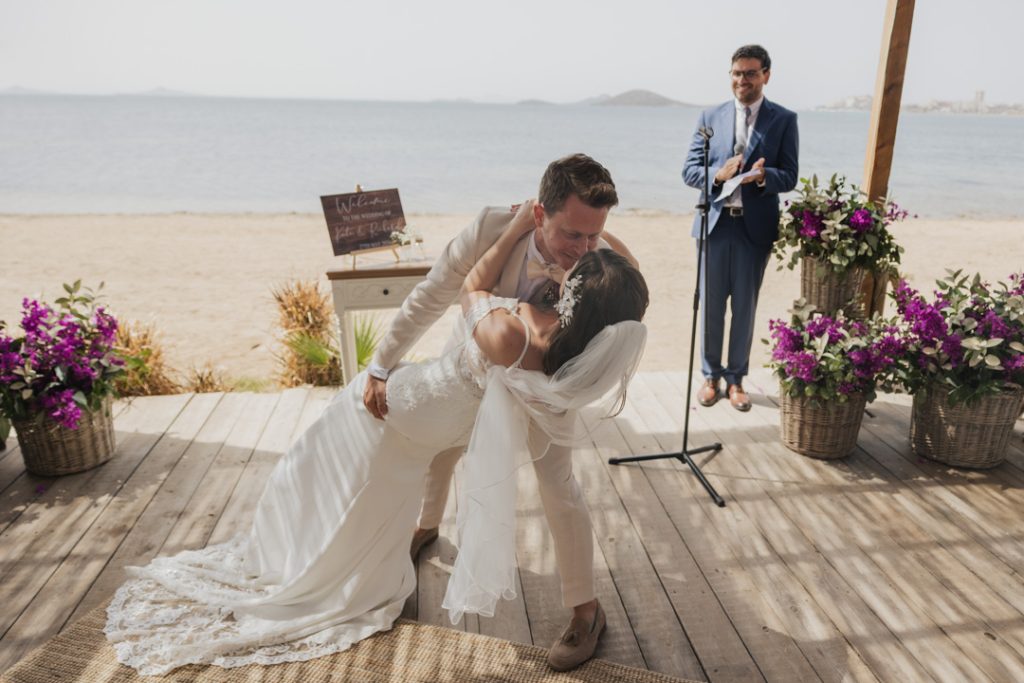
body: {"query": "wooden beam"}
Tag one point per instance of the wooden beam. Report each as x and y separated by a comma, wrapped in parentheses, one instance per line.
(885, 107)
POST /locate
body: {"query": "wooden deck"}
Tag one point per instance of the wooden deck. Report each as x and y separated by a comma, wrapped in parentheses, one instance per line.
(878, 567)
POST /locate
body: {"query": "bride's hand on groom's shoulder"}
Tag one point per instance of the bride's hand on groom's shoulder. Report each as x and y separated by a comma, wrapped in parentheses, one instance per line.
(523, 221)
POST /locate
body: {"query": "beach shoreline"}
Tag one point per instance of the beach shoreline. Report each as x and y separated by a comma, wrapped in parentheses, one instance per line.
(204, 279)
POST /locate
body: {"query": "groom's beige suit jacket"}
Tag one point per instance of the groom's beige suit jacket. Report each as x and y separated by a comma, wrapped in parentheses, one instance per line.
(568, 518)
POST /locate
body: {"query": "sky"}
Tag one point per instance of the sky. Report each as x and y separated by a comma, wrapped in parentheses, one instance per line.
(561, 51)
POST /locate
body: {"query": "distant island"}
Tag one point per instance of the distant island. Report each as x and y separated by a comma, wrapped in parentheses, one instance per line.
(975, 106)
(18, 90)
(161, 92)
(630, 98)
(154, 92)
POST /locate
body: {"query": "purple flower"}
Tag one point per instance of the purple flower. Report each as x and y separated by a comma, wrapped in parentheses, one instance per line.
(1012, 366)
(822, 326)
(62, 408)
(1017, 284)
(895, 213)
(861, 221)
(35, 317)
(801, 365)
(812, 224)
(106, 325)
(993, 327)
(786, 338)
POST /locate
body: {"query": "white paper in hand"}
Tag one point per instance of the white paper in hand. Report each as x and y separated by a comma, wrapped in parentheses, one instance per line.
(732, 183)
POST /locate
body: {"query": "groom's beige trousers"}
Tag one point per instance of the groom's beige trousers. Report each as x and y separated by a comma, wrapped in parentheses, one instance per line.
(566, 512)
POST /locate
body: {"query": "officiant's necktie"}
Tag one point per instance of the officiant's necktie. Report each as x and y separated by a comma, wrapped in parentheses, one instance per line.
(743, 133)
(742, 137)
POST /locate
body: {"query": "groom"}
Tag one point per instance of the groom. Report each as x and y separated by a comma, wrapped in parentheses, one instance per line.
(575, 196)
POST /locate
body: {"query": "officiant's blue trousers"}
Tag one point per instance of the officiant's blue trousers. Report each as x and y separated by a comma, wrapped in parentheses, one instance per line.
(735, 272)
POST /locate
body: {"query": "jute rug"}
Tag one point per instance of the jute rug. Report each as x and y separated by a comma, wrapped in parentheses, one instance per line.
(411, 651)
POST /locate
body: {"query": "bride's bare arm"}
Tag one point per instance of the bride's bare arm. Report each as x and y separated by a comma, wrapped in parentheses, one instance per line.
(620, 247)
(484, 275)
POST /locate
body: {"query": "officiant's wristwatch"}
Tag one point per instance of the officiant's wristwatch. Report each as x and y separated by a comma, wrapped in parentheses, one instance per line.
(378, 371)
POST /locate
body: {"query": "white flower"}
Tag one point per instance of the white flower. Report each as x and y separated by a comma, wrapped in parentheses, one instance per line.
(567, 302)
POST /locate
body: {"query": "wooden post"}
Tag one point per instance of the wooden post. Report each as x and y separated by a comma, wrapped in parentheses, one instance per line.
(885, 107)
(885, 114)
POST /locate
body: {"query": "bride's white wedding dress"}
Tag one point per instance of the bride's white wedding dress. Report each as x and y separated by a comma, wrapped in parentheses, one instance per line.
(326, 561)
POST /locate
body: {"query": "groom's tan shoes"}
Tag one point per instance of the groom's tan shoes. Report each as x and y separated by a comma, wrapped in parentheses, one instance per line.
(577, 644)
(420, 539)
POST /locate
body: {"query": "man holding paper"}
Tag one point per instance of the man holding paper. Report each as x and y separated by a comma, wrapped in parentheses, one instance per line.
(753, 158)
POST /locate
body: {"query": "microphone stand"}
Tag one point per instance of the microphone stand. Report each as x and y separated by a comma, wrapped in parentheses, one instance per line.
(702, 248)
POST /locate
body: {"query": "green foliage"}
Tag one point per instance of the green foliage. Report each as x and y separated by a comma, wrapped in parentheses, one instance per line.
(254, 384)
(310, 350)
(368, 332)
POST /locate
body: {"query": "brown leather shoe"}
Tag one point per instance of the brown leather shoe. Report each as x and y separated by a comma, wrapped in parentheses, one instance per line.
(708, 394)
(420, 539)
(738, 398)
(577, 644)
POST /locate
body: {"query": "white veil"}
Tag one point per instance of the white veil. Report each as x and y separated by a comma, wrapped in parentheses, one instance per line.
(485, 567)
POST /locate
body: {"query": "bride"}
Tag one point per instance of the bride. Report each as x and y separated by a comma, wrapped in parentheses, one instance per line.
(326, 562)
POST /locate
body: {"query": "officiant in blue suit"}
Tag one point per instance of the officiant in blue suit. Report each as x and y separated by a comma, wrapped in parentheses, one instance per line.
(756, 137)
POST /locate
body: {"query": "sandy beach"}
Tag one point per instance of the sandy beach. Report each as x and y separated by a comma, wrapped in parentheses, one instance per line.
(204, 280)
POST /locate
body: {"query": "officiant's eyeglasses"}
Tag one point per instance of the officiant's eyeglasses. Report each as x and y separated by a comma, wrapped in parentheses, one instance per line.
(749, 74)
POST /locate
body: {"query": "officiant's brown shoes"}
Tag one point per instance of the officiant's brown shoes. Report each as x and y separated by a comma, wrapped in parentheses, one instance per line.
(420, 539)
(578, 642)
(738, 398)
(708, 393)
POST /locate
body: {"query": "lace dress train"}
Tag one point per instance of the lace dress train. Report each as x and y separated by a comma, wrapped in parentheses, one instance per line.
(326, 561)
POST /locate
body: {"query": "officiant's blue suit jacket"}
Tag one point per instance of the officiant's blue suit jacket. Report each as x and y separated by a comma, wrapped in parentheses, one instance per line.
(775, 138)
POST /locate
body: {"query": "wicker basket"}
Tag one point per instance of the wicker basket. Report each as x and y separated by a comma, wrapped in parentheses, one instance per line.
(821, 430)
(828, 291)
(50, 449)
(974, 436)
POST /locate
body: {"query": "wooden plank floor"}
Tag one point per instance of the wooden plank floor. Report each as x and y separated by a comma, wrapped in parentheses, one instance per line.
(879, 567)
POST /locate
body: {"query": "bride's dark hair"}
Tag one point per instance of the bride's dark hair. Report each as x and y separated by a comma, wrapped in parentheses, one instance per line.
(610, 290)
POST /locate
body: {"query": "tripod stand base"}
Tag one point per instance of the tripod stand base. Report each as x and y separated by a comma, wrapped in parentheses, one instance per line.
(682, 456)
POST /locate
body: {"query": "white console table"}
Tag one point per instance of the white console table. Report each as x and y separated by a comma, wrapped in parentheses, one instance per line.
(371, 287)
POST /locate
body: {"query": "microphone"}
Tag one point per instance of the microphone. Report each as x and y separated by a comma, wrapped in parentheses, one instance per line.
(739, 148)
(706, 132)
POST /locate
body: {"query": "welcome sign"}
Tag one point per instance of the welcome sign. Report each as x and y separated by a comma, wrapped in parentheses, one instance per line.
(362, 220)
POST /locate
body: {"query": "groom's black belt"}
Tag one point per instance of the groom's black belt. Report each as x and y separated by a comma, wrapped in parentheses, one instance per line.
(734, 211)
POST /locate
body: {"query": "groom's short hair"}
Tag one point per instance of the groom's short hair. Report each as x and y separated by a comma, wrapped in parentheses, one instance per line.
(576, 174)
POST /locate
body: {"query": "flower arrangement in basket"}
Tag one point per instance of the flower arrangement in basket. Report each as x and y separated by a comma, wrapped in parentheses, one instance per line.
(56, 382)
(964, 363)
(828, 369)
(840, 237)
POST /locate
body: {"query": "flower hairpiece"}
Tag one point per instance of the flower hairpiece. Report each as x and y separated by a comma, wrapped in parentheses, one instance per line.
(567, 302)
